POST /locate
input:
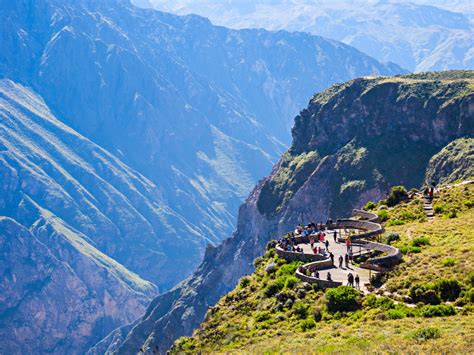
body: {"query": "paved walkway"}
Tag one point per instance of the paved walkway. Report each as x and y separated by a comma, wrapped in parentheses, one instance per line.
(340, 274)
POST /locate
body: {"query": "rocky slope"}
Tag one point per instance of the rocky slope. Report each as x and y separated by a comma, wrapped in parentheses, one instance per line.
(351, 144)
(418, 35)
(68, 213)
(201, 111)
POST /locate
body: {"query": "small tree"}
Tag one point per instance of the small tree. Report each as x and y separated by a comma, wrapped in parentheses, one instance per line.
(396, 195)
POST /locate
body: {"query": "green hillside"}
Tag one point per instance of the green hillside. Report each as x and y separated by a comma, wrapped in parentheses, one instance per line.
(426, 303)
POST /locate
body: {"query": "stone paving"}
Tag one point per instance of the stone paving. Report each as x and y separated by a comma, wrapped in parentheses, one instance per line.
(340, 274)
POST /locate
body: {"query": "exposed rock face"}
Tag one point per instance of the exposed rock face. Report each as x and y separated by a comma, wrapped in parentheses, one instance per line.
(72, 220)
(201, 111)
(350, 145)
(453, 162)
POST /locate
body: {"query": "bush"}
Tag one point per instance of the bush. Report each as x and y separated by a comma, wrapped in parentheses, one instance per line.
(448, 261)
(300, 309)
(440, 208)
(317, 315)
(452, 213)
(449, 289)
(342, 298)
(370, 205)
(244, 282)
(396, 195)
(391, 237)
(262, 316)
(289, 269)
(470, 279)
(273, 287)
(291, 281)
(426, 333)
(306, 324)
(407, 216)
(383, 215)
(468, 203)
(420, 241)
(395, 314)
(410, 249)
(424, 293)
(441, 310)
(395, 222)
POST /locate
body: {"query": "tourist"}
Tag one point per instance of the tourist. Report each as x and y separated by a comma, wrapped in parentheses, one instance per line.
(315, 274)
(327, 244)
(348, 243)
(341, 259)
(346, 259)
(350, 280)
(335, 236)
(357, 280)
(331, 255)
(329, 276)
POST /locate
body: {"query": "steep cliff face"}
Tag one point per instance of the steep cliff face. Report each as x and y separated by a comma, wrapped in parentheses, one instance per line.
(201, 111)
(453, 162)
(350, 145)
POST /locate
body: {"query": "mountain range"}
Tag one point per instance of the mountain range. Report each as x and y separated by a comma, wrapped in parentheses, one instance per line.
(418, 35)
(128, 139)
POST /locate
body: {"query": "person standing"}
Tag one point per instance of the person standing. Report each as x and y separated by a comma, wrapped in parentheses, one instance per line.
(357, 280)
(327, 244)
(346, 259)
(331, 255)
(335, 236)
(341, 259)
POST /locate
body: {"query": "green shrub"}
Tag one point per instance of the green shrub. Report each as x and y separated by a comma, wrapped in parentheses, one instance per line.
(395, 222)
(426, 333)
(424, 293)
(370, 301)
(420, 241)
(273, 287)
(307, 324)
(291, 281)
(470, 295)
(300, 309)
(244, 282)
(262, 316)
(468, 203)
(470, 279)
(440, 208)
(407, 216)
(396, 195)
(384, 303)
(383, 215)
(289, 269)
(317, 315)
(410, 249)
(391, 237)
(184, 344)
(370, 205)
(395, 314)
(342, 298)
(449, 289)
(448, 261)
(441, 310)
(452, 213)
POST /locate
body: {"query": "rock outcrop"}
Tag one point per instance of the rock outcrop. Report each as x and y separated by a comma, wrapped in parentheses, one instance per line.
(351, 144)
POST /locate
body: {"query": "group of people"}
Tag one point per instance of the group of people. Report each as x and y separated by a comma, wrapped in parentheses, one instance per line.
(351, 279)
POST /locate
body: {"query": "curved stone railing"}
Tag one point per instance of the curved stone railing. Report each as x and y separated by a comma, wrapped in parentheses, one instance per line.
(387, 261)
(369, 216)
(317, 262)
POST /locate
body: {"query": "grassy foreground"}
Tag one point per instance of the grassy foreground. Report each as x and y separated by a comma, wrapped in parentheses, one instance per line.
(424, 305)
